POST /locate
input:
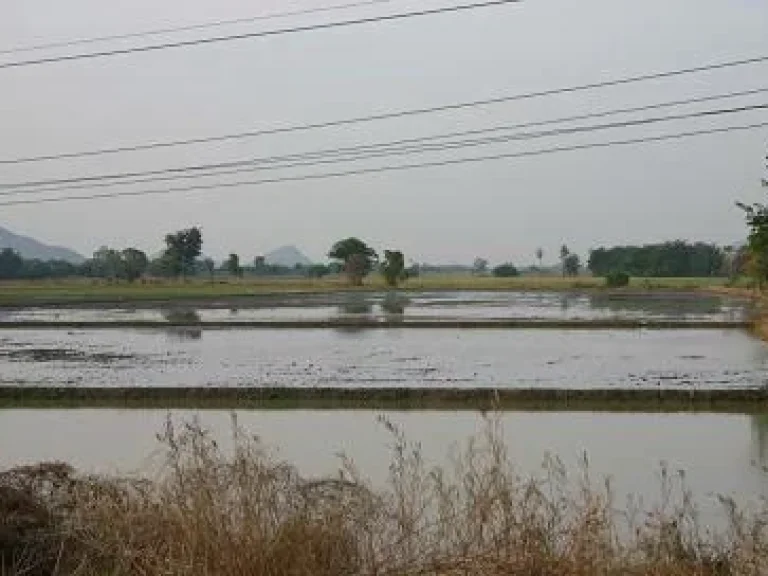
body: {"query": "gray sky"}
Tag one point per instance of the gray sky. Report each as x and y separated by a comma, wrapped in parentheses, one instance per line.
(501, 210)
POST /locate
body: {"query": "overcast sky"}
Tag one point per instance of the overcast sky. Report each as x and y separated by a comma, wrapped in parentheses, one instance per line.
(502, 210)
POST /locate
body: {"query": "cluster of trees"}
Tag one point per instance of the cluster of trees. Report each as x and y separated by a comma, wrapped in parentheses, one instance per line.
(357, 260)
(13, 266)
(669, 259)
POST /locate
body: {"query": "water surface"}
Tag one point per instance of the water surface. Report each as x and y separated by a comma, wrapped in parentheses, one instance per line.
(574, 359)
(422, 305)
(720, 454)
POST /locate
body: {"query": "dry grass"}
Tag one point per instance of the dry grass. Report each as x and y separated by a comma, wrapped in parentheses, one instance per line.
(213, 511)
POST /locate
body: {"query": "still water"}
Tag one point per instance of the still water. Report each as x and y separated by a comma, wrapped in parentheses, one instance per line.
(720, 454)
(423, 305)
(574, 359)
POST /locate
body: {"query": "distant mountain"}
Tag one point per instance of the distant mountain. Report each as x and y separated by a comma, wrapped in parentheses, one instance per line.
(32, 249)
(287, 256)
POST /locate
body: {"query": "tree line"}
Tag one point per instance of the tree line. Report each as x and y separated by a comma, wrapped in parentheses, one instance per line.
(355, 259)
(665, 260)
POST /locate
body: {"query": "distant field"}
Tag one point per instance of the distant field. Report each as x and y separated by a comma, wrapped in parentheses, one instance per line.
(96, 291)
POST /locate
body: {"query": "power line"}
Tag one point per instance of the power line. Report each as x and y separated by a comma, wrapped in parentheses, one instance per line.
(338, 155)
(388, 115)
(251, 35)
(192, 27)
(382, 169)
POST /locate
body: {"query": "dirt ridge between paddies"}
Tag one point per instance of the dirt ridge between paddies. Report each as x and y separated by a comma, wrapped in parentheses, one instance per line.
(742, 400)
(380, 324)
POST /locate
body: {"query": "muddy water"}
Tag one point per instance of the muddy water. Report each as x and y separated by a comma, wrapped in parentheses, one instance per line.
(443, 305)
(381, 358)
(719, 454)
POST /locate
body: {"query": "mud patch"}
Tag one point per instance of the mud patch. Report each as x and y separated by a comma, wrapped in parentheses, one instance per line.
(63, 355)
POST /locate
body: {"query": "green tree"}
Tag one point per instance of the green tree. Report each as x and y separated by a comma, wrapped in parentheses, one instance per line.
(11, 264)
(135, 263)
(507, 270)
(182, 249)
(393, 267)
(564, 253)
(107, 263)
(571, 265)
(233, 265)
(480, 266)
(357, 257)
(757, 241)
(668, 259)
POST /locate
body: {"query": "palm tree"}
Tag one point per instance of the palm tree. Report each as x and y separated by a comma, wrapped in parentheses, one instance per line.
(564, 253)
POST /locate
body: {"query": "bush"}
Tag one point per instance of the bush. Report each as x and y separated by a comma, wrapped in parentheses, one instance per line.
(617, 279)
(505, 271)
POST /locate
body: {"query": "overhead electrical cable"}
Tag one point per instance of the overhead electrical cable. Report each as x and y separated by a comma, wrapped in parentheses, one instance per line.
(193, 27)
(338, 155)
(383, 169)
(388, 115)
(251, 35)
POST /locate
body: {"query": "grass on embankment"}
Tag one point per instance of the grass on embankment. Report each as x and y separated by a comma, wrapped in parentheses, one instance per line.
(751, 401)
(29, 293)
(220, 512)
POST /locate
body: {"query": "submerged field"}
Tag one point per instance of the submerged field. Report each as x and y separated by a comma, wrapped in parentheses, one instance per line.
(98, 291)
(658, 411)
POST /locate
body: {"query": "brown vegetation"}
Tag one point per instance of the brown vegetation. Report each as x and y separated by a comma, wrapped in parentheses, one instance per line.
(228, 512)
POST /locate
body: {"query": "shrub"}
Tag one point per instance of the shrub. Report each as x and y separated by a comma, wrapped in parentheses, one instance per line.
(617, 279)
(505, 271)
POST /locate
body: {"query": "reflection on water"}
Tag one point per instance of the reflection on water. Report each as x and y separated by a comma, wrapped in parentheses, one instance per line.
(713, 450)
(414, 357)
(668, 305)
(182, 316)
(393, 306)
(434, 305)
(759, 424)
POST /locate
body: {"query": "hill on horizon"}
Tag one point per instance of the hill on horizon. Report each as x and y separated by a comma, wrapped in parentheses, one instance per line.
(29, 248)
(287, 256)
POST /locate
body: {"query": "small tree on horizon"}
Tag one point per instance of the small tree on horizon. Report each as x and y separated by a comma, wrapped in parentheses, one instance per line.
(182, 249)
(539, 256)
(480, 266)
(233, 266)
(571, 265)
(357, 257)
(393, 267)
(564, 253)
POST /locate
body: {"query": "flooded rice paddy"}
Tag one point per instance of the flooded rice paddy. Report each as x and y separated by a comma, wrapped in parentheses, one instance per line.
(192, 357)
(721, 454)
(409, 306)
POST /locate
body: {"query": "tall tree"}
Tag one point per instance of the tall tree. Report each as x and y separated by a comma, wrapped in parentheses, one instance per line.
(539, 256)
(135, 263)
(564, 253)
(393, 267)
(11, 264)
(233, 265)
(182, 249)
(107, 263)
(571, 265)
(480, 266)
(357, 257)
(757, 221)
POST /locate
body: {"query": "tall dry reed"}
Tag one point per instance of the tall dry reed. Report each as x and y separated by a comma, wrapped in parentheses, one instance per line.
(212, 511)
